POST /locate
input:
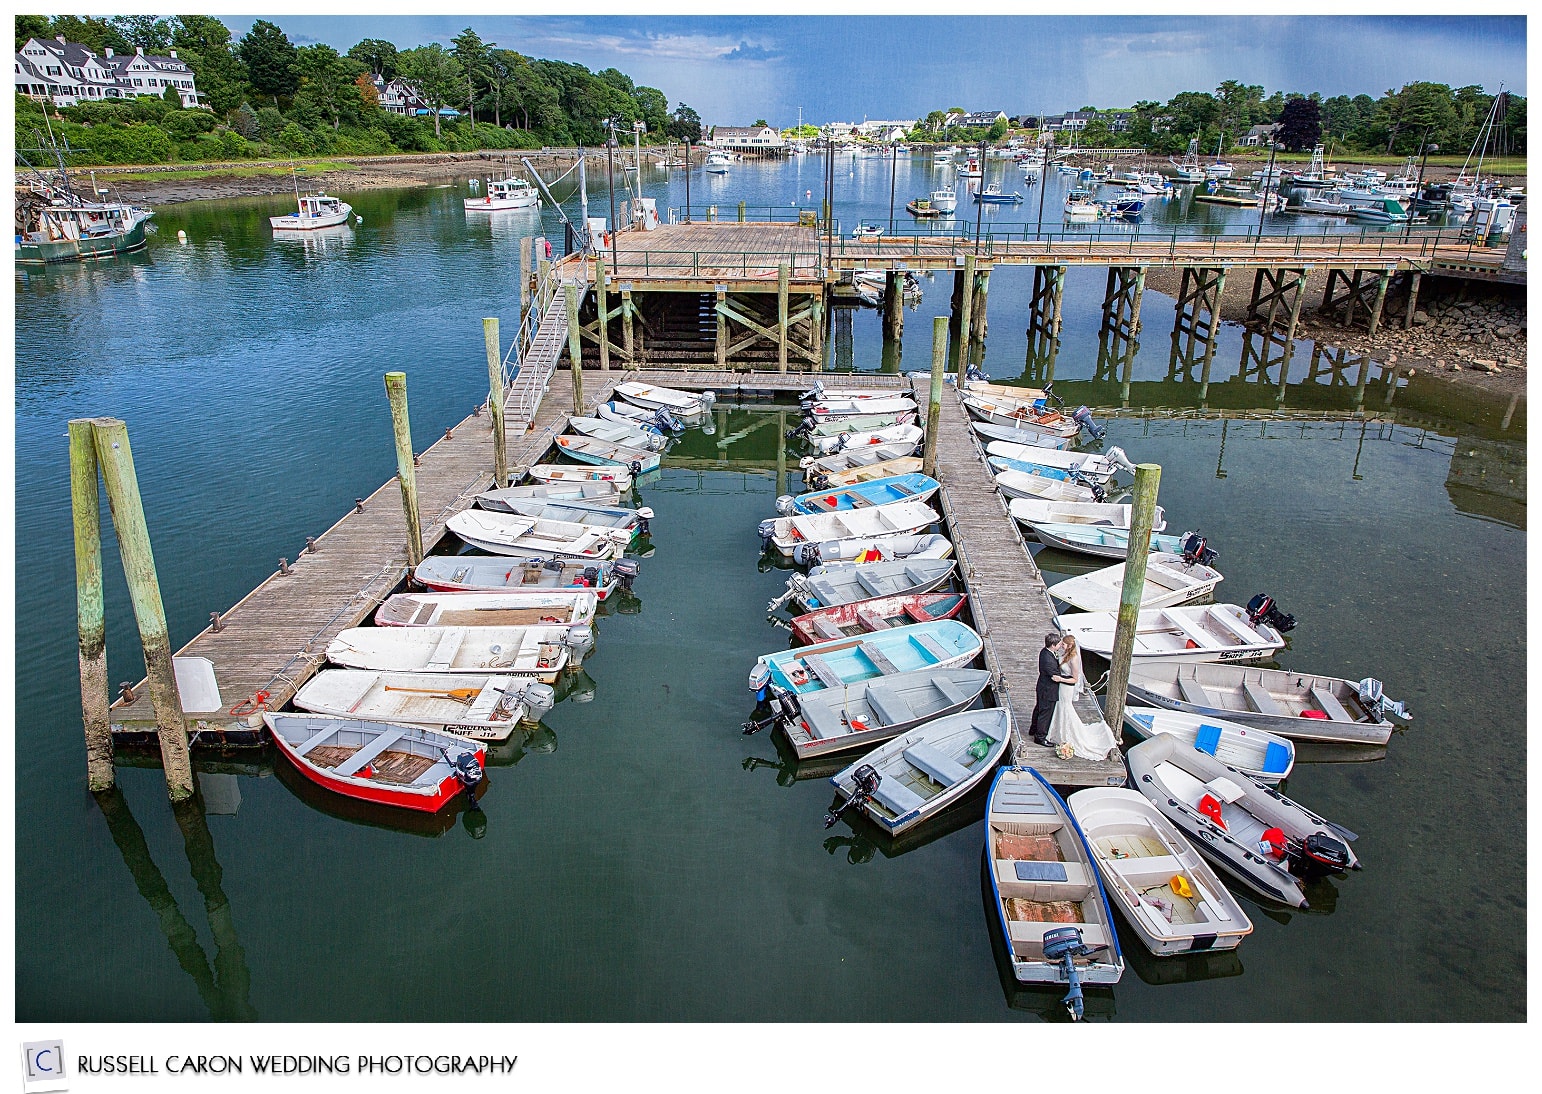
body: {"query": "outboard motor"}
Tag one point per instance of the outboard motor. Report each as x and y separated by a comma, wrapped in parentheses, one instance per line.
(1313, 856)
(1083, 417)
(864, 781)
(1117, 455)
(1261, 609)
(785, 506)
(816, 480)
(1098, 493)
(580, 643)
(972, 372)
(553, 564)
(760, 681)
(813, 394)
(1064, 944)
(666, 421)
(644, 515)
(591, 576)
(802, 429)
(538, 699)
(707, 399)
(806, 554)
(1376, 704)
(635, 467)
(626, 571)
(766, 531)
(1196, 549)
(783, 704)
(467, 772)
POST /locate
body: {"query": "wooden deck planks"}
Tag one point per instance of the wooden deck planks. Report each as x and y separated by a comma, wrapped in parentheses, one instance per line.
(1006, 592)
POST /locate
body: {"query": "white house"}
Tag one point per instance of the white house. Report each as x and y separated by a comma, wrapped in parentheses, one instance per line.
(746, 136)
(1260, 135)
(886, 131)
(69, 73)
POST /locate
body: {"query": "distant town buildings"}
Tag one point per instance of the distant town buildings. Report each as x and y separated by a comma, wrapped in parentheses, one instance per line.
(69, 73)
(762, 137)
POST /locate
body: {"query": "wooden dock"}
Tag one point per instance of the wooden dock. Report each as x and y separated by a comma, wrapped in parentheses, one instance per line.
(1007, 595)
(276, 636)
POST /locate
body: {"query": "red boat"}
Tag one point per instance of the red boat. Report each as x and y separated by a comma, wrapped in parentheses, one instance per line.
(409, 767)
(876, 614)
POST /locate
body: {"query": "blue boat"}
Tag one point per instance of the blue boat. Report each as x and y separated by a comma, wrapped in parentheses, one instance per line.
(940, 644)
(593, 450)
(1002, 463)
(862, 495)
(992, 195)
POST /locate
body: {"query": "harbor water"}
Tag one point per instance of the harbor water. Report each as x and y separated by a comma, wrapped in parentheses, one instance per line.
(638, 858)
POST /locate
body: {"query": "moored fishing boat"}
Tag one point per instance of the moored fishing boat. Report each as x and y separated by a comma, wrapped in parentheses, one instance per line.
(861, 495)
(474, 705)
(1205, 632)
(318, 210)
(830, 585)
(476, 573)
(1255, 752)
(511, 534)
(942, 644)
(592, 450)
(924, 770)
(1303, 706)
(877, 614)
(1154, 876)
(1049, 900)
(1169, 580)
(409, 767)
(550, 607)
(823, 722)
(1232, 819)
(502, 194)
(539, 651)
(53, 224)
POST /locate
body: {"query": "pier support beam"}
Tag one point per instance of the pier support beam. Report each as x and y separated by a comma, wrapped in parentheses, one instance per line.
(1413, 298)
(1142, 515)
(524, 278)
(575, 346)
(117, 466)
(721, 355)
(965, 316)
(1381, 301)
(495, 387)
(628, 335)
(893, 305)
(90, 613)
(783, 275)
(940, 339)
(602, 320)
(980, 298)
(406, 473)
(1295, 313)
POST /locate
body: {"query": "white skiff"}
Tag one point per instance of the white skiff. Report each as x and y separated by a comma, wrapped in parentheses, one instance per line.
(511, 534)
(542, 652)
(1032, 511)
(547, 607)
(1255, 752)
(1198, 632)
(485, 708)
(667, 398)
(1168, 581)
(618, 477)
(901, 518)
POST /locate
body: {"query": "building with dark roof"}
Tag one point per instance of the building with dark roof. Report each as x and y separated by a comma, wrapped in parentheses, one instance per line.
(69, 73)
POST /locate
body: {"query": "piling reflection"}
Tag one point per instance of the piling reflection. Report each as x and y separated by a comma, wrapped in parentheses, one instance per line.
(226, 987)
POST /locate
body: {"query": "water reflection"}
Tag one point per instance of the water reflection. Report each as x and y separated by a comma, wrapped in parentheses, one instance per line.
(866, 837)
(226, 987)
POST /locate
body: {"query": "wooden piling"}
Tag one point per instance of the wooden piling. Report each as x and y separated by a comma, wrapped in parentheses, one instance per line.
(1295, 314)
(781, 452)
(893, 305)
(628, 338)
(495, 388)
(783, 276)
(1413, 298)
(116, 460)
(601, 308)
(524, 278)
(406, 473)
(90, 613)
(940, 337)
(741, 212)
(721, 347)
(575, 347)
(1140, 293)
(1381, 300)
(965, 318)
(1142, 515)
(980, 296)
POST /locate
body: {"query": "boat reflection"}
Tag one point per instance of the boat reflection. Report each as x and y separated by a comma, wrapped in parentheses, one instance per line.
(224, 986)
(1187, 968)
(866, 838)
(314, 242)
(369, 815)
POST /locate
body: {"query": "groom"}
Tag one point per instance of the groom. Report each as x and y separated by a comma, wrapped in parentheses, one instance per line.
(1048, 689)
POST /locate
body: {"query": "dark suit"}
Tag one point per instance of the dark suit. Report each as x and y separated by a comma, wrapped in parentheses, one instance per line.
(1046, 692)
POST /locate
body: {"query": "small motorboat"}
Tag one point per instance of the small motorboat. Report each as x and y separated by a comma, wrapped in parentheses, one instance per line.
(862, 715)
(861, 495)
(1254, 833)
(1303, 706)
(409, 767)
(603, 494)
(541, 652)
(873, 549)
(1198, 632)
(1158, 881)
(1020, 414)
(907, 437)
(593, 450)
(1023, 484)
(511, 534)
(1050, 904)
(1022, 434)
(1033, 512)
(622, 433)
(820, 394)
(548, 607)
(867, 231)
(1169, 580)
(862, 422)
(1257, 753)
(901, 518)
(618, 477)
(635, 521)
(830, 585)
(475, 705)
(942, 644)
(831, 409)
(502, 194)
(902, 465)
(924, 770)
(657, 419)
(992, 195)
(686, 403)
(944, 200)
(864, 456)
(538, 575)
(1091, 465)
(314, 211)
(877, 614)
(1100, 540)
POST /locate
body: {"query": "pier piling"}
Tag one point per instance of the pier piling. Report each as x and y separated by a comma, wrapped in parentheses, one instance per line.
(495, 386)
(90, 614)
(893, 305)
(783, 276)
(1142, 516)
(965, 316)
(602, 313)
(406, 473)
(934, 401)
(575, 346)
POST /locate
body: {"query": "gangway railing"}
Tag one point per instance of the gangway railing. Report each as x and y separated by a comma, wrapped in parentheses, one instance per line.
(537, 348)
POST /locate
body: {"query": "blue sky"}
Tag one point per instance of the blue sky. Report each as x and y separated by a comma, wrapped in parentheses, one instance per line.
(735, 69)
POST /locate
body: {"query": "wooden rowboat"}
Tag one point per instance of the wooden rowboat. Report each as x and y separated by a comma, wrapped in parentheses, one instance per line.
(880, 613)
(409, 767)
(475, 705)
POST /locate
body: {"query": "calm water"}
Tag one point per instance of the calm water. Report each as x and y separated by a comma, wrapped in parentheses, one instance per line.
(641, 859)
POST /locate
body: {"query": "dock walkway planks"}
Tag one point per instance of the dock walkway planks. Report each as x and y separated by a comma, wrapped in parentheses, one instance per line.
(273, 639)
(1006, 592)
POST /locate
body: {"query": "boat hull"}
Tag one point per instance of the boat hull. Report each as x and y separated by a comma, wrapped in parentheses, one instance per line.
(82, 250)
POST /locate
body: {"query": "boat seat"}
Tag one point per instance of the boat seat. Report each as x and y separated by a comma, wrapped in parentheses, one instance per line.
(1331, 706)
(1198, 635)
(932, 646)
(872, 620)
(897, 797)
(876, 656)
(868, 585)
(326, 731)
(916, 575)
(1022, 798)
(889, 707)
(822, 671)
(1028, 937)
(1232, 627)
(1194, 692)
(353, 764)
(1262, 701)
(1276, 759)
(825, 629)
(1207, 739)
(950, 691)
(823, 723)
(942, 769)
(1224, 789)
(1043, 880)
(445, 649)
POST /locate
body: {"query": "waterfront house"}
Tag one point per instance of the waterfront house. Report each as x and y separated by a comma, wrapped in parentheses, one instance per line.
(760, 138)
(69, 73)
(982, 119)
(886, 131)
(1260, 135)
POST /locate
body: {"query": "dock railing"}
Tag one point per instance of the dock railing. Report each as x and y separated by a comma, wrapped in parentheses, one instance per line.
(537, 347)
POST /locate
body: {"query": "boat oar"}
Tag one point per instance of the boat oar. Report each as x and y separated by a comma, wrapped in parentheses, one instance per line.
(463, 695)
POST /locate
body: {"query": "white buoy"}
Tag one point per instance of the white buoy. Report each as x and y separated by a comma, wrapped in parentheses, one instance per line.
(358, 219)
(181, 236)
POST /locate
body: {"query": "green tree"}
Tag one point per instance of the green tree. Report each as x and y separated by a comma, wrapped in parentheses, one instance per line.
(244, 121)
(473, 55)
(378, 55)
(270, 58)
(434, 73)
(204, 43)
(760, 122)
(997, 130)
(95, 34)
(326, 83)
(144, 32)
(172, 97)
(1403, 118)
(30, 26)
(685, 124)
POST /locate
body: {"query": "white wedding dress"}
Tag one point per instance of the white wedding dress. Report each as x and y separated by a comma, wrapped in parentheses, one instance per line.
(1088, 741)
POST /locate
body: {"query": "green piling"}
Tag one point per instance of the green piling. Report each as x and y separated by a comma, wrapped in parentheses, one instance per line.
(934, 400)
(575, 348)
(495, 399)
(1142, 516)
(396, 392)
(89, 612)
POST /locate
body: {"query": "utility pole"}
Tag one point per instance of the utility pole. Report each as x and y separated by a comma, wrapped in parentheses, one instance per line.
(610, 177)
(979, 206)
(1049, 158)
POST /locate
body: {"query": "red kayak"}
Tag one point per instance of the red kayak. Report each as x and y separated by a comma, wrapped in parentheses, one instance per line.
(409, 767)
(876, 614)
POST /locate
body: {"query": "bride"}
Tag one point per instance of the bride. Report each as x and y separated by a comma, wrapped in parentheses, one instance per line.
(1088, 741)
